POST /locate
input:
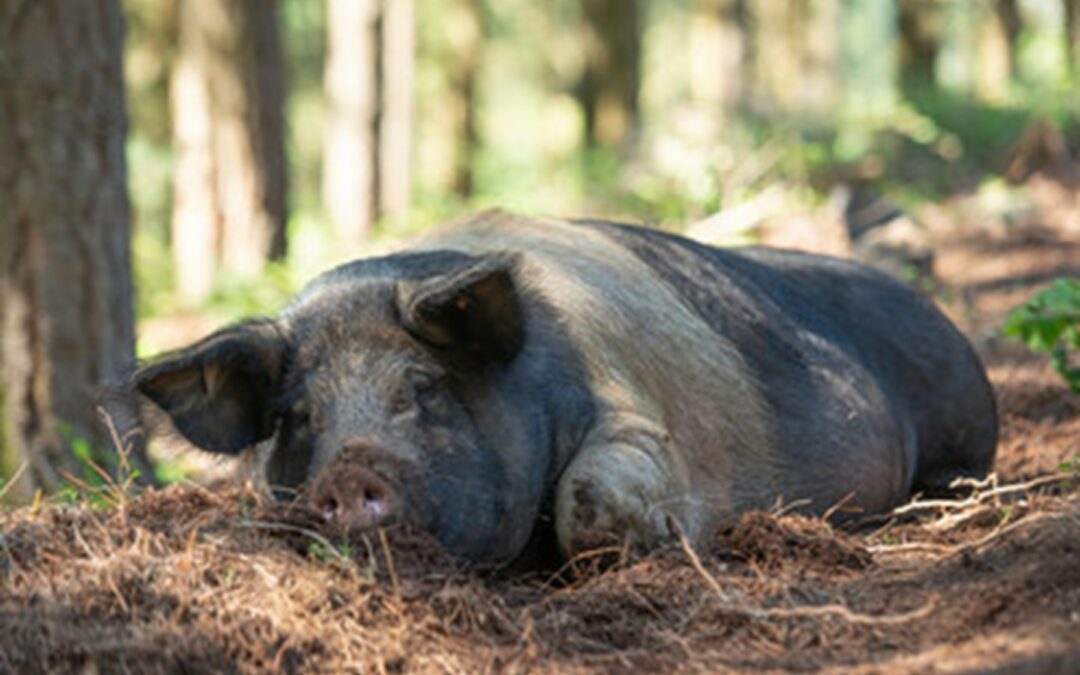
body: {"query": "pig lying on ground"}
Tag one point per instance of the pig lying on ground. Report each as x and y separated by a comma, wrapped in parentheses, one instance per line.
(510, 373)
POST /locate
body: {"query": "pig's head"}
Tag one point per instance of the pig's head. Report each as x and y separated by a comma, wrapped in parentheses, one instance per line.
(376, 390)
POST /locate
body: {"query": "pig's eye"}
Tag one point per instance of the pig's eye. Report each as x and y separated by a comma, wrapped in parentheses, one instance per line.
(426, 393)
(300, 419)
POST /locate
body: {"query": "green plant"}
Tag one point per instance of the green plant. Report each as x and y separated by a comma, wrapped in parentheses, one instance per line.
(1050, 323)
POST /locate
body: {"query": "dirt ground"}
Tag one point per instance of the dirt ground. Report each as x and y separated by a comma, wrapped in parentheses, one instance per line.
(192, 580)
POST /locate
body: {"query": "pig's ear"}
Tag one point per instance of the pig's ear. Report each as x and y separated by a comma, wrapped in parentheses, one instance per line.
(474, 309)
(218, 391)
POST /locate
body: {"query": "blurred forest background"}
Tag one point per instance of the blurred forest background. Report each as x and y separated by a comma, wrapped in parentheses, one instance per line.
(265, 140)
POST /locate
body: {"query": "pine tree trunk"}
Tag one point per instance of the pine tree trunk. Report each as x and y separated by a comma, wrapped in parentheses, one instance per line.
(720, 36)
(396, 57)
(869, 64)
(612, 77)
(228, 109)
(778, 59)
(920, 39)
(1008, 14)
(350, 146)
(466, 44)
(1072, 35)
(67, 319)
(367, 152)
(819, 88)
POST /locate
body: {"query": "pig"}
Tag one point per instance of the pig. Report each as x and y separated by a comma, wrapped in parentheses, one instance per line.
(510, 378)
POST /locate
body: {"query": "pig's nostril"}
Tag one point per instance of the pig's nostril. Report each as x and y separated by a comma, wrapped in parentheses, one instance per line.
(372, 495)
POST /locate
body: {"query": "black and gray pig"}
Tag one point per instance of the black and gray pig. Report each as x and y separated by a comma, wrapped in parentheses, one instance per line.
(509, 374)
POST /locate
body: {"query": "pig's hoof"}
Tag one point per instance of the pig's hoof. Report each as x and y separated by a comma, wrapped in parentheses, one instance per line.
(590, 516)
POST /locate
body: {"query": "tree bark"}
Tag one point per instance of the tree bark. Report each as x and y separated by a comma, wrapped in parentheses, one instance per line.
(67, 317)
(869, 64)
(1008, 14)
(367, 172)
(920, 26)
(466, 38)
(609, 87)
(1072, 35)
(228, 109)
(397, 56)
(778, 56)
(720, 36)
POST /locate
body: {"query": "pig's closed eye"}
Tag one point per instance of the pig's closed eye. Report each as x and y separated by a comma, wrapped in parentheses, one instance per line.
(427, 393)
(299, 420)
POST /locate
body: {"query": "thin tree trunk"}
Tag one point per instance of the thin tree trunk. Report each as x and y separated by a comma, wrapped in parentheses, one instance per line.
(396, 56)
(466, 37)
(1072, 35)
(228, 107)
(720, 34)
(367, 167)
(1008, 14)
(350, 146)
(869, 65)
(778, 58)
(819, 88)
(67, 321)
(196, 219)
(612, 77)
(920, 41)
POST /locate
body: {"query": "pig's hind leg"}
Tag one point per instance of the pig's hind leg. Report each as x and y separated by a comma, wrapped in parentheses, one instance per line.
(620, 488)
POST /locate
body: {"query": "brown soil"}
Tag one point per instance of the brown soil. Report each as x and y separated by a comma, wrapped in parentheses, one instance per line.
(191, 580)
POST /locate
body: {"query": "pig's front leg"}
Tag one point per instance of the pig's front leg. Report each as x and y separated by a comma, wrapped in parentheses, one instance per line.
(622, 486)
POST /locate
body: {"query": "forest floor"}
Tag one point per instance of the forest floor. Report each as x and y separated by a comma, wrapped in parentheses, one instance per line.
(191, 580)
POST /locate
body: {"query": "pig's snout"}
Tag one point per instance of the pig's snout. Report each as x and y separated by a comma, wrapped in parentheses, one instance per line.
(353, 496)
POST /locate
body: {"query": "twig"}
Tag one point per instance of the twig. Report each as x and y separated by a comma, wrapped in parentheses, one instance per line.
(123, 445)
(837, 506)
(848, 615)
(910, 546)
(784, 509)
(571, 564)
(695, 561)
(390, 565)
(981, 497)
(311, 534)
(1001, 531)
(14, 478)
(103, 492)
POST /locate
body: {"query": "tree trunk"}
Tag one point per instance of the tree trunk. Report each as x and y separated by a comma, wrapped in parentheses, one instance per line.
(466, 40)
(612, 77)
(67, 318)
(228, 109)
(920, 38)
(869, 63)
(397, 41)
(779, 28)
(1008, 14)
(819, 83)
(720, 45)
(1072, 35)
(350, 147)
(366, 143)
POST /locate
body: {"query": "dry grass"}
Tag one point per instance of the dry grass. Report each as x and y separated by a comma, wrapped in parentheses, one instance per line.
(187, 580)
